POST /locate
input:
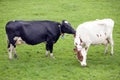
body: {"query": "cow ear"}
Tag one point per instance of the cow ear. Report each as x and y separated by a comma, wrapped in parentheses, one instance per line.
(74, 35)
(59, 24)
(75, 50)
(64, 21)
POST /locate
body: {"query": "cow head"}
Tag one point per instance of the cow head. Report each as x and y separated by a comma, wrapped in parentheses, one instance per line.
(67, 28)
(80, 51)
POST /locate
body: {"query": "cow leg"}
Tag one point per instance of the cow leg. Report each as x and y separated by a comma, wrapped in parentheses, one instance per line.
(106, 48)
(51, 50)
(112, 44)
(10, 50)
(106, 42)
(86, 48)
(47, 50)
(11, 47)
(49, 47)
(15, 55)
(46, 53)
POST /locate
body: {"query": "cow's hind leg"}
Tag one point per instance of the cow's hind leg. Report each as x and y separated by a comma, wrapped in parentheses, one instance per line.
(11, 48)
(15, 55)
(106, 46)
(106, 49)
(112, 44)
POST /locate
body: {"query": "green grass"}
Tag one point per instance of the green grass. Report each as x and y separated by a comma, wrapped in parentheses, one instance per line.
(32, 63)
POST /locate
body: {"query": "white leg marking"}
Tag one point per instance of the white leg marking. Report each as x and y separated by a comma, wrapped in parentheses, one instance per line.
(10, 51)
(46, 53)
(51, 55)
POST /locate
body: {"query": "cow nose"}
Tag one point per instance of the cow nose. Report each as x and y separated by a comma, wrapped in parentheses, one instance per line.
(83, 64)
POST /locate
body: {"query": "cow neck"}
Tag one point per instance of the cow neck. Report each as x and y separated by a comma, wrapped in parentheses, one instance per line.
(61, 33)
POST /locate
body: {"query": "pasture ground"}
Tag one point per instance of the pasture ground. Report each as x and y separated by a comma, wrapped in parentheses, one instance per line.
(32, 63)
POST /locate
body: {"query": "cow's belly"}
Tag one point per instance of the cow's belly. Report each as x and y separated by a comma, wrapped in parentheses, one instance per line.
(33, 40)
(100, 40)
(99, 37)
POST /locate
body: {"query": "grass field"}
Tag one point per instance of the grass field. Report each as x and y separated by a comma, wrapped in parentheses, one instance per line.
(32, 63)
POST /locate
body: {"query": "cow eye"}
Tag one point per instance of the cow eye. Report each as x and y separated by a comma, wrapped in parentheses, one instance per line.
(80, 44)
(76, 43)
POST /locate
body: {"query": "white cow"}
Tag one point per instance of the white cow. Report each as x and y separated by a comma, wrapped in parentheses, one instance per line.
(93, 32)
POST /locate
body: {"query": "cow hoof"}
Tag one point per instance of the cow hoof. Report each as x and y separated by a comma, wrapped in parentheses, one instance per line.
(46, 55)
(111, 54)
(10, 59)
(53, 57)
(83, 64)
(15, 55)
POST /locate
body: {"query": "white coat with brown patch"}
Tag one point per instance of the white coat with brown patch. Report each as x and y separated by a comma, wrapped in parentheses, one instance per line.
(93, 32)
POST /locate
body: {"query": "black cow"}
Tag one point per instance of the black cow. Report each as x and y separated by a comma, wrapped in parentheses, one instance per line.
(35, 32)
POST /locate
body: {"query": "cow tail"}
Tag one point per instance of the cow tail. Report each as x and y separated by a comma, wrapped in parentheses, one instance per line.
(8, 42)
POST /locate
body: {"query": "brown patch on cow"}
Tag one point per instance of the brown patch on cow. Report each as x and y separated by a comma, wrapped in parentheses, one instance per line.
(105, 33)
(81, 40)
(107, 40)
(76, 43)
(97, 35)
(75, 49)
(86, 48)
(79, 56)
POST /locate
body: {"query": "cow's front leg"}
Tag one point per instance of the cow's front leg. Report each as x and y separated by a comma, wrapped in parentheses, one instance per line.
(49, 47)
(51, 50)
(47, 50)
